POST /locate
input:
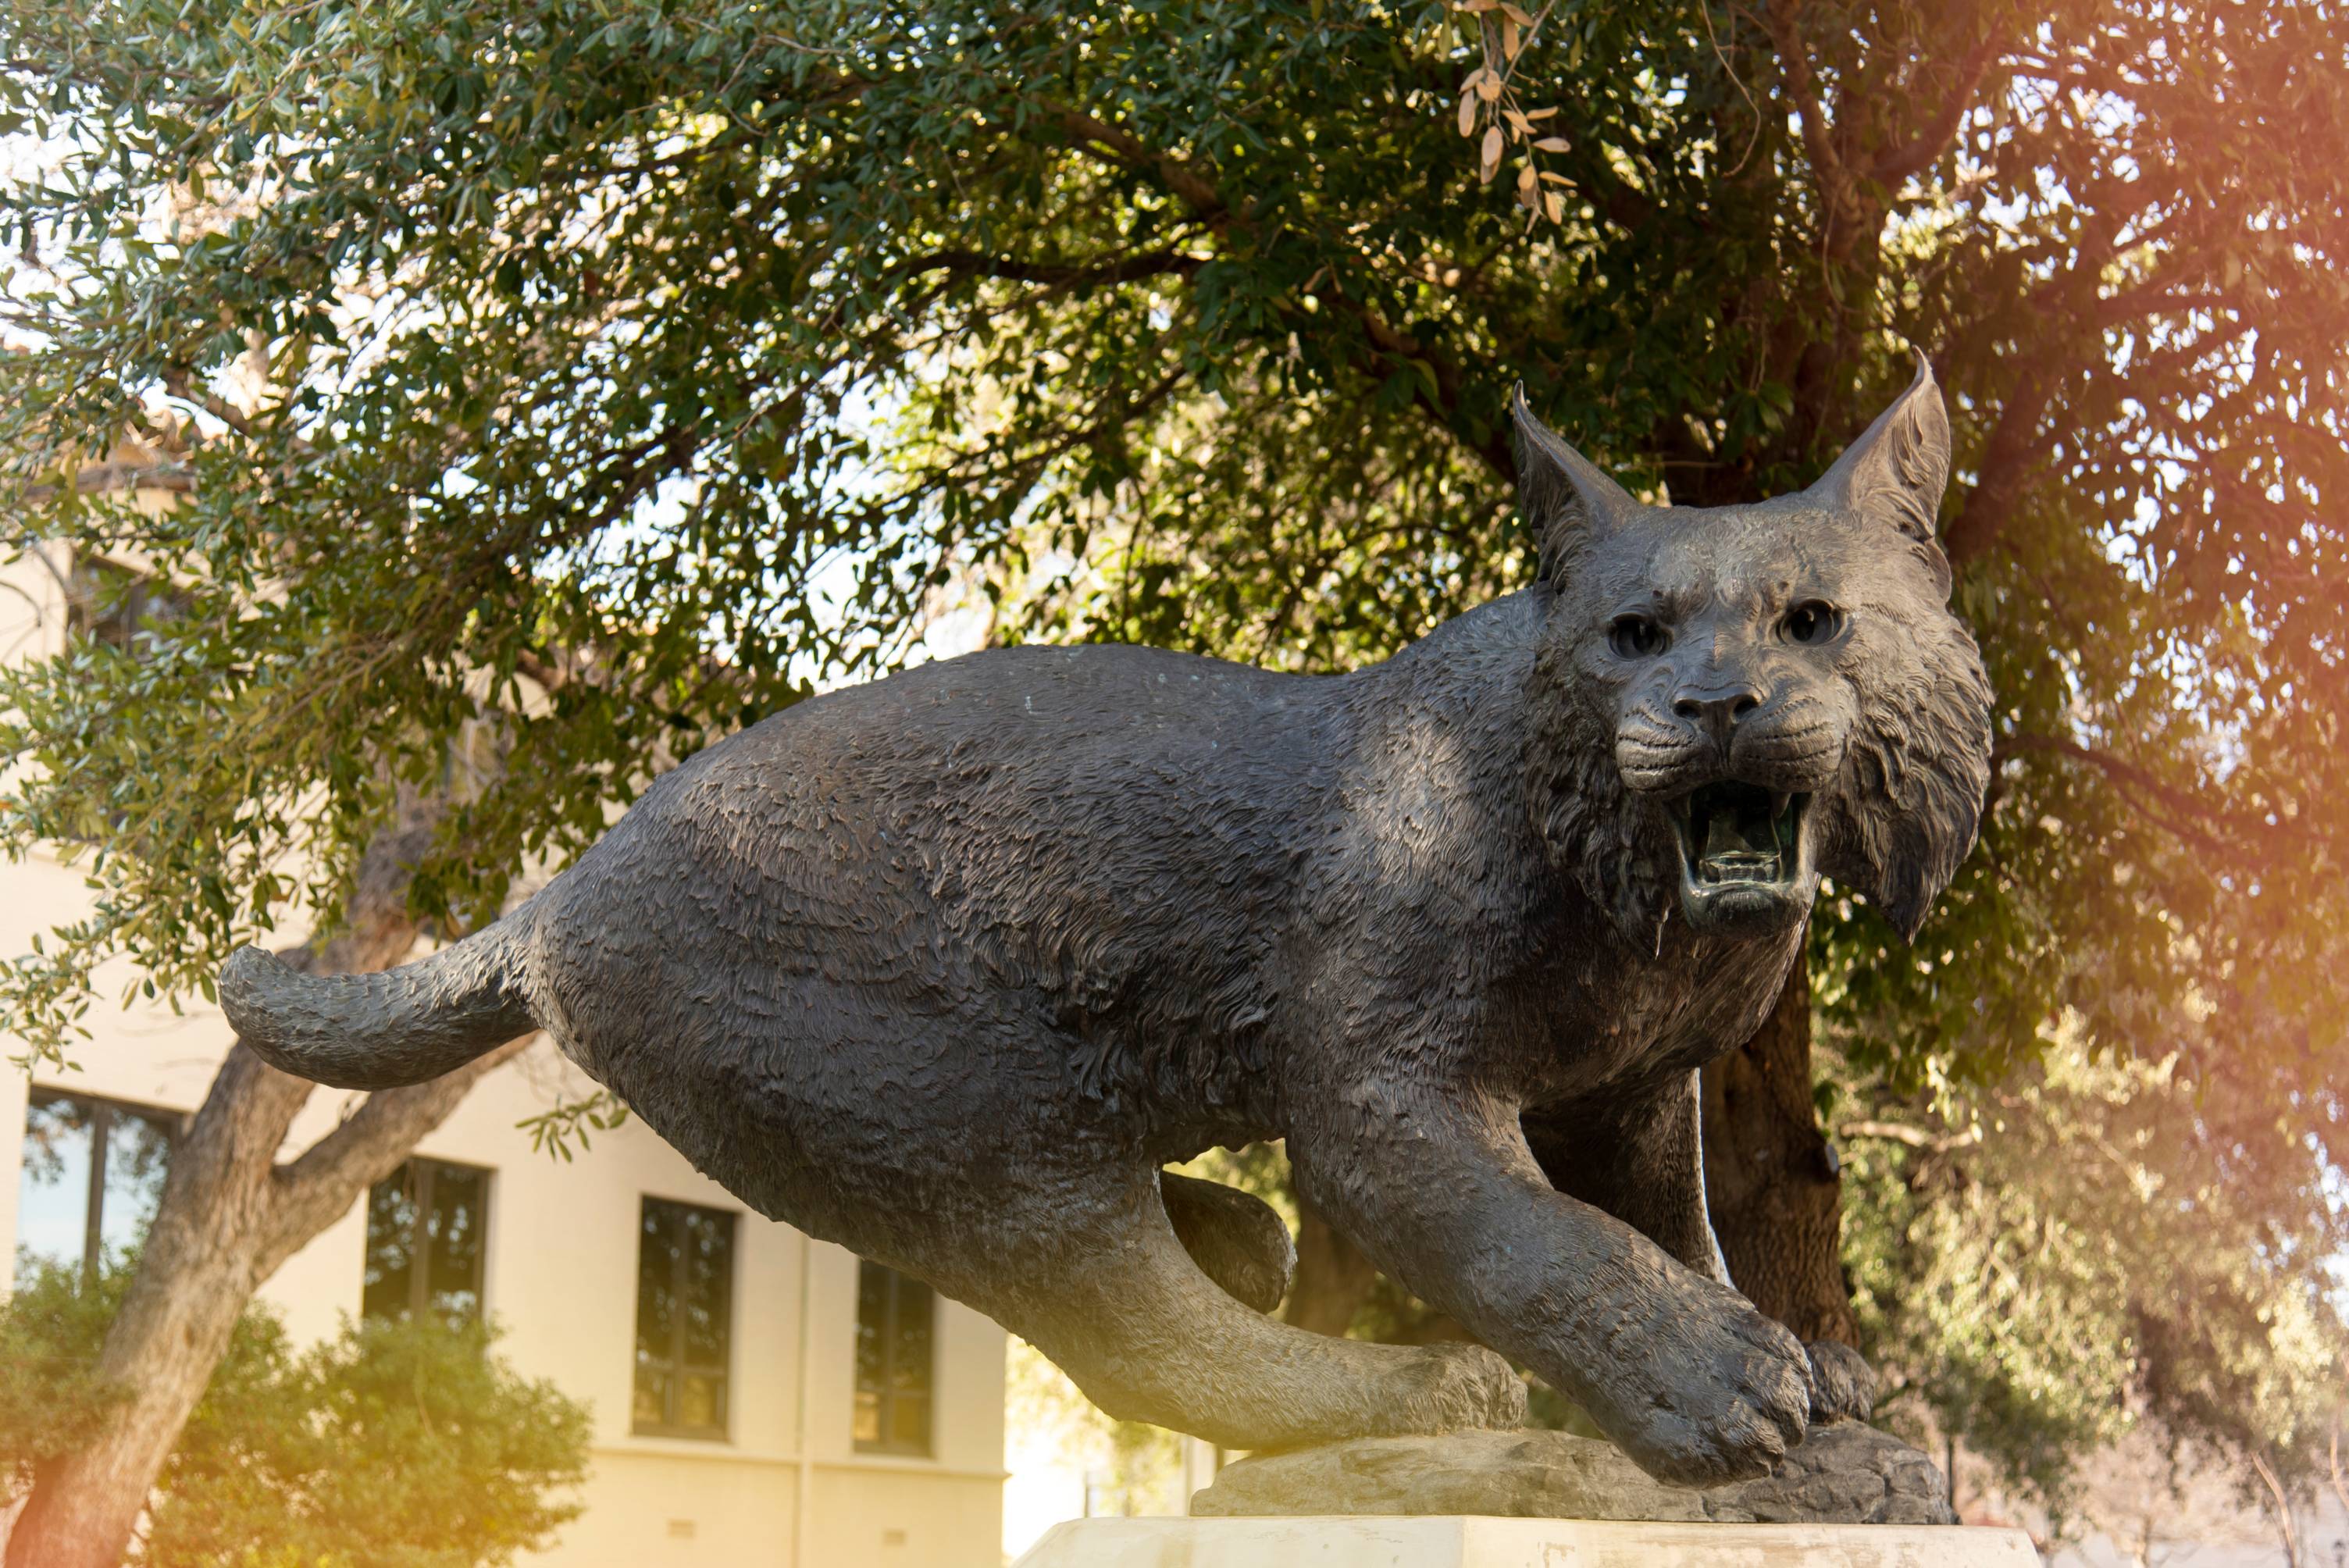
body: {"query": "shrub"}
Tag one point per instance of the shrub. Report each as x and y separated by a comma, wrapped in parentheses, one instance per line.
(403, 1445)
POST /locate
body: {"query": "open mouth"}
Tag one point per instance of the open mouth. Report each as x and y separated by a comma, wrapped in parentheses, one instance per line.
(1739, 837)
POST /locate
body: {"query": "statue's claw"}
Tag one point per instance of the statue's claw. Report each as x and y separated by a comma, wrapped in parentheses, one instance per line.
(1843, 1385)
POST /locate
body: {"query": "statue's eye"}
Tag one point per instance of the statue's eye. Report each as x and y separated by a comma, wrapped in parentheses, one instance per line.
(1636, 637)
(1812, 623)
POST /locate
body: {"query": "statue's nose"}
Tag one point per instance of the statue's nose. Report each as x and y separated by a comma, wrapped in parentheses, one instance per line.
(1716, 708)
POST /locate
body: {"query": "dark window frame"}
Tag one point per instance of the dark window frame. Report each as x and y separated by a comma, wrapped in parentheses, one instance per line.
(103, 1108)
(896, 1290)
(676, 1364)
(422, 1170)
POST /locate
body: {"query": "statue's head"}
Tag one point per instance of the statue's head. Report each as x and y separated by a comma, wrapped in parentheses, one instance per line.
(1738, 699)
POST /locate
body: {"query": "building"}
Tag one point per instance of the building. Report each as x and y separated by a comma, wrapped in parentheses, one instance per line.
(758, 1397)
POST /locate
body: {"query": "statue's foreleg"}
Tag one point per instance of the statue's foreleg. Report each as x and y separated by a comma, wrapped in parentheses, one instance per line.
(1437, 1184)
(1641, 1159)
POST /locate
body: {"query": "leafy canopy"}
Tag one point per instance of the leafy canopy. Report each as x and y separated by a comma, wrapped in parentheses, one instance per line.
(2106, 1250)
(671, 354)
(672, 351)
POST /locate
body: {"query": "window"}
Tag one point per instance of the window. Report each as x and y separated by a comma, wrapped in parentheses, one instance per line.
(92, 1175)
(115, 605)
(685, 1319)
(895, 1318)
(427, 1223)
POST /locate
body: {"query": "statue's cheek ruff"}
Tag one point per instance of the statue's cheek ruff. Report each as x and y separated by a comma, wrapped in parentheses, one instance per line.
(1618, 847)
(1909, 802)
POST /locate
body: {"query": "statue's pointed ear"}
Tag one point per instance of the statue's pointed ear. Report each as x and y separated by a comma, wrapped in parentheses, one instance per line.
(1559, 491)
(1899, 466)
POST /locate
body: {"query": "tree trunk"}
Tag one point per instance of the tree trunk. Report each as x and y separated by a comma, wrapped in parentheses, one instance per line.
(1773, 1182)
(229, 1216)
(2287, 1528)
(1332, 1278)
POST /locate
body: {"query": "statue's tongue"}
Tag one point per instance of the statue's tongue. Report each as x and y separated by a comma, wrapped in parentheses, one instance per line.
(1738, 842)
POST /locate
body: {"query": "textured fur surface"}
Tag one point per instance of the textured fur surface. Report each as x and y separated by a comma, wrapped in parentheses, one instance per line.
(948, 968)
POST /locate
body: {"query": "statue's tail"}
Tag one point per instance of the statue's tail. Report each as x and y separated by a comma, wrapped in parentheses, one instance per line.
(384, 1030)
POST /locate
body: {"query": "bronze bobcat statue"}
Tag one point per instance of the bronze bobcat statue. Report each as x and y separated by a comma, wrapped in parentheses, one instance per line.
(948, 968)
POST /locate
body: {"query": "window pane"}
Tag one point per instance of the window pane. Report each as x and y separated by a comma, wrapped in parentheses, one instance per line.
(454, 1231)
(138, 1152)
(53, 1191)
(389, 1282)
(655, 1277)
(701, 1401)
(651, 1409)
(909, 1357)
(709, 1286)
(913, 1423)
(120, 607)
(894, 1334)
(872, 1323)
(685, 1306)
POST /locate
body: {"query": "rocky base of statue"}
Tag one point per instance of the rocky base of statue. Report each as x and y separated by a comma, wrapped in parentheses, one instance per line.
(1470, 1541)
(1843, 1473)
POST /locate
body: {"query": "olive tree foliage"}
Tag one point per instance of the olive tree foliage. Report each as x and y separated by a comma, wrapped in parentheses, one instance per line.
(670, 355)
(2101, 1248)
(672, 351)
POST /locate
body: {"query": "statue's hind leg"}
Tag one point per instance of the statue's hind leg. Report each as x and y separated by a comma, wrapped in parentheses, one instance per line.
(1149, 1336)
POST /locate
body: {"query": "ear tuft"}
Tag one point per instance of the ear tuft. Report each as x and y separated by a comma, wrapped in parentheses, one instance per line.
(1899, 466)
(1562, 495)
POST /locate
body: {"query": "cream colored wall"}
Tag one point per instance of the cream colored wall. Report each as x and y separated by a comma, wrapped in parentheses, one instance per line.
(560, 1278)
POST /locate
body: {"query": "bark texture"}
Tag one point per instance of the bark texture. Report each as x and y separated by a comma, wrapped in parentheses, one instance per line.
(229, 1216)
(1332, 1278)
(1773, 1183)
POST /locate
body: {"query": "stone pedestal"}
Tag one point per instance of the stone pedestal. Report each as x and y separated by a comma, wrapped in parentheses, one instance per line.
(1847, 1497)
(1455, 1540)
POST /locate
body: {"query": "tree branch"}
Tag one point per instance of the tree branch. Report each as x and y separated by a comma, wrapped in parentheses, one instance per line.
(1179, 175)
(2284, 1523)
(99, 478)
(2060, 308)
(310, 1192)
(1929, 143)
(1191, 185)
(1914, 1137)
(1782, 20)
(1125, 269)
(2242, 835)
(178, 384)
(2005, 468)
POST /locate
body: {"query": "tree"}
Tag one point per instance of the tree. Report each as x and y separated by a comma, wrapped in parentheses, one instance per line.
(229, 1215)
(2105, 1251)
(675, 354)
(404, 1443)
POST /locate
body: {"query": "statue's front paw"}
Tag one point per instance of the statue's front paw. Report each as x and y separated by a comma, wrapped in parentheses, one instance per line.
(1715, 1393)
(1843, 1385)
